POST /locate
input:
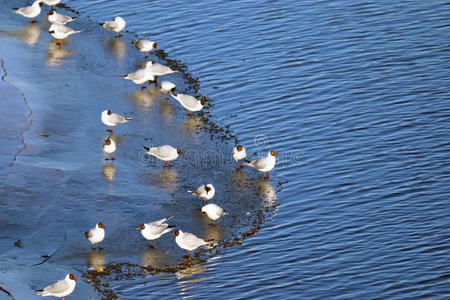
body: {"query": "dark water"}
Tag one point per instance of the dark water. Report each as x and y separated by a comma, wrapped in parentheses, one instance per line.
(354, 95)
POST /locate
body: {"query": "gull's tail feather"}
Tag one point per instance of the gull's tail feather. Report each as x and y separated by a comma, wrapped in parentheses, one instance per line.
(124, 75)
(147, 148)
(101, 24)
(128, 119)
(40, 292)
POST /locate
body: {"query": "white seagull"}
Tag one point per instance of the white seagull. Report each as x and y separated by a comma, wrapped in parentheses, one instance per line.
(60, 32)
(188, 241)
(145, 45)
(116, 25)
(109, 147)
(30, 11)
(214, 212)
(153, 230)
(96, 235)
(164, 153)
(112, 119)
(239, 153)
(204, 192)
(167, 87)
(160, 70)
(54, 17)
(189, 102)
(265, 164)
(141, 76)
(51, 3)
(61, 288)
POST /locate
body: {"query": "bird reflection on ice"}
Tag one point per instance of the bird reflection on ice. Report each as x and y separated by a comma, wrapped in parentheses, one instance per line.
(109, 171)
(167, 179)
(266, 191)
(96, 259)
(56, 53)
(145, 97)
(192, 124)
(116, 47)
(153, 258)
(167, 111)
(29, 34)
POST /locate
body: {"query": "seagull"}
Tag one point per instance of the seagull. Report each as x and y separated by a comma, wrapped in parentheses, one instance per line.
(145, 45)
(61, 288)
(188, 241)
(141, 76)
(96, 235)
(54, 17)
(214, 212)
(164, 153)
(30, 11)
(204, 192)
(167, 87)
(265, 164)
(51, 3)
(109, 147)
(239, 153)
(189, 102)
(153, 230)
(60, 32)
(116, 25)
(160, 70)
(111, 119)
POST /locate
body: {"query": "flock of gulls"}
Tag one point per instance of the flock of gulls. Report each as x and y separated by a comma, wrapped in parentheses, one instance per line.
(153, 230)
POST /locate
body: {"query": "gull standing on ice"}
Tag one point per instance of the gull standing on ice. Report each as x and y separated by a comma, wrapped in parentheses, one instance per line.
(160, 70)
(109, 147)
(51, 3)
(265, 164)
(167, 87)
(60, 32)
(145, 46)
(152, 231)
(112, 119)
(54, 17)
(116, 25)
(204, 192)
(30, 11)
(164, 153)
(189, 102)
(188, 241)
(141, 76)
(239, 153)
(96, 235)
(61, 288)
(214, 212)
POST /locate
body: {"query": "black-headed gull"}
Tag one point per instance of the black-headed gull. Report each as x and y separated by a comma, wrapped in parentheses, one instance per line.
(160, 70)
(116, 25)
(54, 17)
(189, 102)
(167, 87)
(51, 3)
(96, 235)
(61, 288)
(112, 119)
(60, 32)
(30, 11)
(188, 241)
(153, 230)
(164, 153)
(145, 45)
(204, 192)
(239, 154)
(141, 76)
(265, 164)
(109, 147)
(214, 212)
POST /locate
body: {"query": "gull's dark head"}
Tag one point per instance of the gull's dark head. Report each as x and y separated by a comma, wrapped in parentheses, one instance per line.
(239, 147)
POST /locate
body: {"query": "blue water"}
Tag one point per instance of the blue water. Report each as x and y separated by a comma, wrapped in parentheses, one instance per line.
(354, 96)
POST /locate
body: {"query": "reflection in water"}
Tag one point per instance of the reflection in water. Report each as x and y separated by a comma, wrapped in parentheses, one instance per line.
(266, 191)
(57, 53)
(116, 47)
(167, 179)
(145, 97)
(212, 232)
(153, 258)
(167, 111)
(192, 124)
(29, 34)
(109, 171)
(239, 180)
(96, 259)
(186, 285)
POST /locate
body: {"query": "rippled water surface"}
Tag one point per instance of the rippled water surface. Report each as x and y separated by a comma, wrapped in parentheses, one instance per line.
(352, 94)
